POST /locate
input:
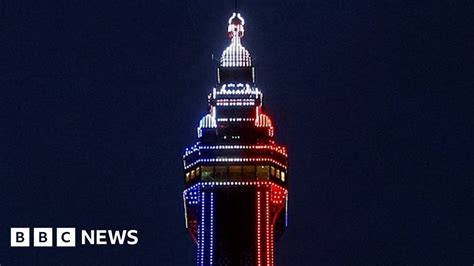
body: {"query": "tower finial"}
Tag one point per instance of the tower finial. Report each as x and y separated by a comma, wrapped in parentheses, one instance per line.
(236, 26)
(235, 54)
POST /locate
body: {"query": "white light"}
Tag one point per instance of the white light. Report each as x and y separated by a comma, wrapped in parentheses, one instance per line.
(211, 245)
(235, 55)
(185, 210)
(211, 160)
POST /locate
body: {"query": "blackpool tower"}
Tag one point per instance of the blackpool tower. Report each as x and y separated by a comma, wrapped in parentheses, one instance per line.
(235, 176)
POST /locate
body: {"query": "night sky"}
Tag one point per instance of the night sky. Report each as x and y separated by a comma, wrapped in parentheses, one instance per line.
(98, 101)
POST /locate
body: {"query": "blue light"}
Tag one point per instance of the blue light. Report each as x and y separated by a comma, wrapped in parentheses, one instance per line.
(203, 225)
(211, 244)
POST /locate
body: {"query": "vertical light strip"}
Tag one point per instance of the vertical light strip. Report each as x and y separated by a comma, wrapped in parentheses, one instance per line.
(203, 225)
(199, 244)
(259, 257)
(272, 255)
(211, 233)
(271, 225)
(267, 227)
(185, 210)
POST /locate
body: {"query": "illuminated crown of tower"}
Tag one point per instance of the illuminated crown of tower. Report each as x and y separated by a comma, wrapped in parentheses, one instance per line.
(235, 55)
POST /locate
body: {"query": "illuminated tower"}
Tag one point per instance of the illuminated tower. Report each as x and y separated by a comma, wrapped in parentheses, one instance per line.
(235, 196)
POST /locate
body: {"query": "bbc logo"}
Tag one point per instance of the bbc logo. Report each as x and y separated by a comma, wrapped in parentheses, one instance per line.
(42, 237)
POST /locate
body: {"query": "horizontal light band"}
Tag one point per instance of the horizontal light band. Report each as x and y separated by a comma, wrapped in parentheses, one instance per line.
(237, 160)
(236, 183)
(196, 148)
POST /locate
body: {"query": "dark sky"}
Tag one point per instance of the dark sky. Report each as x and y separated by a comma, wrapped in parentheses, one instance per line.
(98, 101)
